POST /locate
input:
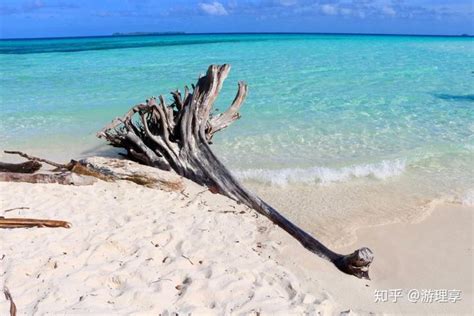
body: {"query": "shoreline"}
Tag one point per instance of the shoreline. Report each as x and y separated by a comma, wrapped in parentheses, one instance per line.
(337, 212)
(344, 206)
(433, 254)
(217, 255)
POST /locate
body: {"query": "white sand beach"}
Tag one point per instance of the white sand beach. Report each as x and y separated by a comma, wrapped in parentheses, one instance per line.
(134, 250)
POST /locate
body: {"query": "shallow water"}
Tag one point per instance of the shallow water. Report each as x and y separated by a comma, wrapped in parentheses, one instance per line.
(325, 113)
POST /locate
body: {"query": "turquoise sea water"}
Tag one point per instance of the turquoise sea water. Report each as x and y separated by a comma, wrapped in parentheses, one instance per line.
(322, 109)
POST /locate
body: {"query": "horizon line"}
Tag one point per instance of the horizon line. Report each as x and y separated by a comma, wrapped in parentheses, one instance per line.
(180, 33)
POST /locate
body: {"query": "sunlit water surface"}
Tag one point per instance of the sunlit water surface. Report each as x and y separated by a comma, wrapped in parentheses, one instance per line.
(337, 131)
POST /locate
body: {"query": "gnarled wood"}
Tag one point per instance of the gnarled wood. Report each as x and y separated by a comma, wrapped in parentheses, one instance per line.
(177, 136)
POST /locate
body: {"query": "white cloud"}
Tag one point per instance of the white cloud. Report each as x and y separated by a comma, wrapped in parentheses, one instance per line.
(387, 10)
(213, 8)
(329, 9)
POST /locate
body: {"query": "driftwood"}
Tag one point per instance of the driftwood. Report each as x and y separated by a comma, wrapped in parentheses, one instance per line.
(24, 167)
(8, 297)
(63, 174)
(67, 178)
(31, 222)
(87, 171)
(33, 158)
(176, 137)
(123, 169)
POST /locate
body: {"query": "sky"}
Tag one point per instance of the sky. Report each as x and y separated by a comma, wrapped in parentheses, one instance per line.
(58, 18)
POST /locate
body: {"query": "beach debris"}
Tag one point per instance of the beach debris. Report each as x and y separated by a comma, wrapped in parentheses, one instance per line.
(31, 222)
(68, 174)
(73, 166)
(24, 167)
(122, 169)
(182, 287)
(187, 258)
(35, 159)
(67, 178)
(16, 208)
(8, 297)
(177, 136)
(87, 171)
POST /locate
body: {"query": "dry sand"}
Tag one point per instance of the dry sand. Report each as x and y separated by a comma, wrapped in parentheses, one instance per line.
(137, 250)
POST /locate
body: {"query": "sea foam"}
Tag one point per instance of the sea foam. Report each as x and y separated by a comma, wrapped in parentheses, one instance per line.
(382, 170)
(468, 198)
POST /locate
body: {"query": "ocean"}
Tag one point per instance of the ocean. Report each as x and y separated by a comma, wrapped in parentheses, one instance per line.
(338, 131)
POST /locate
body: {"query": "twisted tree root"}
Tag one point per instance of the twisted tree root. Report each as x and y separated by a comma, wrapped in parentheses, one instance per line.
(177, 136)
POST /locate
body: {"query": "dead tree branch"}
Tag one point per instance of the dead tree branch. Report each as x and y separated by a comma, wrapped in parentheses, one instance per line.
(177, 136)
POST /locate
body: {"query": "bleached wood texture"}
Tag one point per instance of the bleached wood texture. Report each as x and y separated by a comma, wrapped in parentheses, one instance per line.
(177, 136)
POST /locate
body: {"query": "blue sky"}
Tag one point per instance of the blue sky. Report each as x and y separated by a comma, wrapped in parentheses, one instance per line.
(49, 18)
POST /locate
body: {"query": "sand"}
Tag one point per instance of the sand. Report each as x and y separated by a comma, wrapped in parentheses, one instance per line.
(136, 250)
(434, 254)
(141, 251)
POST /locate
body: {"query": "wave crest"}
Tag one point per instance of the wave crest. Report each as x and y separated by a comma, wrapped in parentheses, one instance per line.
(382, 170)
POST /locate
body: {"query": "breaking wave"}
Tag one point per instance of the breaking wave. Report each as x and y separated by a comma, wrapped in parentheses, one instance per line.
(382, 170)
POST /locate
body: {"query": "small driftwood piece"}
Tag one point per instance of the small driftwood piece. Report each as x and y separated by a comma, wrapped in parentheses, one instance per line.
(31, 222)
(8, 297)
(33, 158)
(24, 167)
(16, 208)
(177, 136)
(62, 174)
(72, 173)
(87, 171)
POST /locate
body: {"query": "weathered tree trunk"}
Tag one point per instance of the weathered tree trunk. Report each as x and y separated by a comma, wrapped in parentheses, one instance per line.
(177, 136)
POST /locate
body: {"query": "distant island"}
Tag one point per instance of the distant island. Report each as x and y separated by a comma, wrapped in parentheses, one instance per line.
(147, 33)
